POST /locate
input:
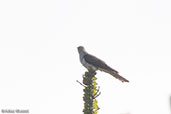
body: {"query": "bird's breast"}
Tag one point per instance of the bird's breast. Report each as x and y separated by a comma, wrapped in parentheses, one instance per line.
(88, 66)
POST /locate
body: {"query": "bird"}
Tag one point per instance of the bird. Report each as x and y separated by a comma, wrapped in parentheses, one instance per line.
(93, 64)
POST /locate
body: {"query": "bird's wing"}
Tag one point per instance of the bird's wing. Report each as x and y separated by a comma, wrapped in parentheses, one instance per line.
(101, 65)
(97, 62)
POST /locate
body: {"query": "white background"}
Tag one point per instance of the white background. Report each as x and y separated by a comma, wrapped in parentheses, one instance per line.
(39, 62)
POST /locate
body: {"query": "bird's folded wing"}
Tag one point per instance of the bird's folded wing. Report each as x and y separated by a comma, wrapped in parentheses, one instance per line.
(102, 66)
(97, 62)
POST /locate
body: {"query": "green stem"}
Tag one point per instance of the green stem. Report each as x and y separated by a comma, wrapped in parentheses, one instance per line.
(90, 93)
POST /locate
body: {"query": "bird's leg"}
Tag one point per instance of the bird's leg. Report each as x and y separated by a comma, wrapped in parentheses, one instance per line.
(92, 72)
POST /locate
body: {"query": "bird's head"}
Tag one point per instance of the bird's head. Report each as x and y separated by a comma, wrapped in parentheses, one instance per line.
(80, 49)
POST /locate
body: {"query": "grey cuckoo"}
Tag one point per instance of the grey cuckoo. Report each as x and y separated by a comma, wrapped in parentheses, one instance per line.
(93, 63)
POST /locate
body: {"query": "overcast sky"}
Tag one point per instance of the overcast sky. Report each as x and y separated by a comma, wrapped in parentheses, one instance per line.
(39, 62)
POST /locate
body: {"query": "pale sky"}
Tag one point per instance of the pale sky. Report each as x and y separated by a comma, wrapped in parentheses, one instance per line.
(39, 62)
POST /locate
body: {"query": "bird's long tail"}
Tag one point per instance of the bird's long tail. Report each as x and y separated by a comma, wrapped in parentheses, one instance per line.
(115, 74)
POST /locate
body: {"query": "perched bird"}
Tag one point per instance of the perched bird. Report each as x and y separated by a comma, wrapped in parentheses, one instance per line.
(93, 64)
